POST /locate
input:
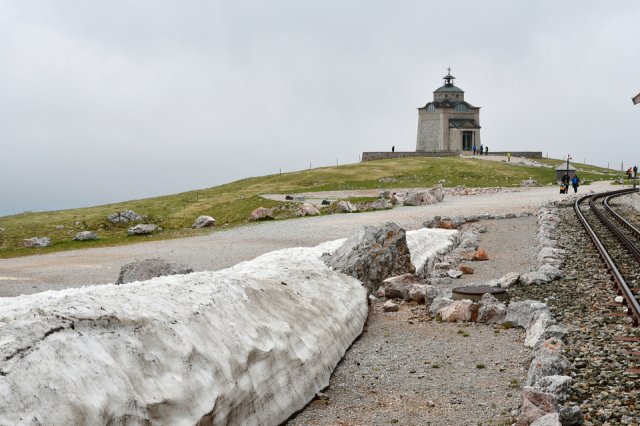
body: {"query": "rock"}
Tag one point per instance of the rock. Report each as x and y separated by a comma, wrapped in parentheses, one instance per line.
(389, 306)
(431, 293)
(446, 224)
(538, 322)
(419, 198)
(142, 270)
(571, 415)
(554, 331)
(441, 266)
(468, 270)
(529, 413)
(397, 199)
(543, 400)
(346, 207)
(307, 209)
(125, 216)
(529, 183)
(59, 227)
(373, 255)
(435, 303)
(558, 386)
(618, 299)
(85, 236)
(36, 242)
(491, 311)
(261, 213)
(452, 273)
(551, 419)
(519, 313)
(142, 229)
(326, 202)
(480, 255)
(547, 361)
(398, 287)
(204, 222)
(508, 280)
(381, 204)
(459, 310)
(418, 293)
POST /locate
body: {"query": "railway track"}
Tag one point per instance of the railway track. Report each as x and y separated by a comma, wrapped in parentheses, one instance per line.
(618, 243)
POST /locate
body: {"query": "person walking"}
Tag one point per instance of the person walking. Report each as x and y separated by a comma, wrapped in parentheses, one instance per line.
(575, 181)
(508, 157)
(486, 150)
(635, 172)
(393, 148)
(474, 149)
(481, 149)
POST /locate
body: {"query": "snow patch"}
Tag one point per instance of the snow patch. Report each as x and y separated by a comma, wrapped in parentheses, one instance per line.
(427, 245)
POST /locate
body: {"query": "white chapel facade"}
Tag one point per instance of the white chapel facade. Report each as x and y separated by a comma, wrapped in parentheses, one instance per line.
(448, 123)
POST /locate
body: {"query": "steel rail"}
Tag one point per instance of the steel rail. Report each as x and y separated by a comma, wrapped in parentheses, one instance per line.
(625, 291)
(615, 214)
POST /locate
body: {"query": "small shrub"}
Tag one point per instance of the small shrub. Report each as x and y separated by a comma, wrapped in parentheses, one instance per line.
(480, 366)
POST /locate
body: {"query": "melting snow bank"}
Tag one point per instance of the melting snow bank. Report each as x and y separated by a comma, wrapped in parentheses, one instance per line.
(250, 344)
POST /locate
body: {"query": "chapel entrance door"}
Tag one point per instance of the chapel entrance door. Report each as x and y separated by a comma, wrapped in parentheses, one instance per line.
(467, 140)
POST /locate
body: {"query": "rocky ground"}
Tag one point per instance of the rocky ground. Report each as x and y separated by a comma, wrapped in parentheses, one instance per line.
(582, 301)
(409, 369)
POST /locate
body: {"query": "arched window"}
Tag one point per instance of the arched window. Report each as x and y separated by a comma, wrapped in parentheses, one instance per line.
(431, 108)
(462, 108)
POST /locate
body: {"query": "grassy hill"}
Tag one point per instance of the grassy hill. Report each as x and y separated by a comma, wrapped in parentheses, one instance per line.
(232, 203)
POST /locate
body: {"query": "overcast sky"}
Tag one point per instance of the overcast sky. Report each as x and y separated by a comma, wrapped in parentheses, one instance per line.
(105, 101)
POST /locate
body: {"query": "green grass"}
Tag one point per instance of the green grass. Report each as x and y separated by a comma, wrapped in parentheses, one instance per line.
(232, 203)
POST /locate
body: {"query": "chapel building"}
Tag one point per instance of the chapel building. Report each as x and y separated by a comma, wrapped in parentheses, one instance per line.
(448, 123)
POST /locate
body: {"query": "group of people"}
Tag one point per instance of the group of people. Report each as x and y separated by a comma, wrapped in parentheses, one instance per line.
(479, 151)
(564, 185)
(632, 173)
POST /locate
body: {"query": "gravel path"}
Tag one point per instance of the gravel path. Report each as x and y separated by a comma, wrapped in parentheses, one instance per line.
(408, 370)
(224, 248)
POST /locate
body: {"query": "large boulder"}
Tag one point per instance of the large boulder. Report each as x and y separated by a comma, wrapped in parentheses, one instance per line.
(204, 222)
(143, 270)
(85, 236)
(36, 242)
(373, 255)
(459, 310)
(548, 360)
(125, 216)
(142, 229)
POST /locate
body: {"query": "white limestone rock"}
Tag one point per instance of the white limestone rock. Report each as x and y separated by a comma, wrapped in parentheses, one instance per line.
(86, 236)
(36, 242)
(125, 216)
(250, 344)
(346, 207)
(204, 222)
(307, 209)
(142, 229)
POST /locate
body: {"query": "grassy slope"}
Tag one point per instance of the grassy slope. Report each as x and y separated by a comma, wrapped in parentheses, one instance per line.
(231, 203)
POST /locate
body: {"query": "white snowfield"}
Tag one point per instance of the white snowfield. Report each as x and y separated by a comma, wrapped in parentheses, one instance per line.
(249, 345)
(428, 245)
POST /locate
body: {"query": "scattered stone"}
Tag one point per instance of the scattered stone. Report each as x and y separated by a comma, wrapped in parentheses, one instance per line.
(59, 227)
(418, 293)
(307, 209)
(491, 311)
(142, 229)
(125, 216)
(538, 322)
(508, 280)
(519, 313)
(558, 386)
(398, 287)
(435, 303)
(480, 255)
(204, 222)
(618, 299)
(452, 273)
(551, 419)
(389, 306)
(458, 310)
(468, 270)
(261, 213)
(85, 236)
(143, 270)
(346, 207)
(571, 415)
(529, 183)
(36, 242)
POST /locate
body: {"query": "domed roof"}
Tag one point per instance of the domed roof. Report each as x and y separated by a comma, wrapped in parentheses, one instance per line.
(448, 88)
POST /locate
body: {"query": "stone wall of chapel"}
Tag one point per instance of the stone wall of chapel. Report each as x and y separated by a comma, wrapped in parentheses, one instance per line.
(429, 130)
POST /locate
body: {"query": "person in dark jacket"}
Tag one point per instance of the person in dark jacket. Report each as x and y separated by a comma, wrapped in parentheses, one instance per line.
(575, 182)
